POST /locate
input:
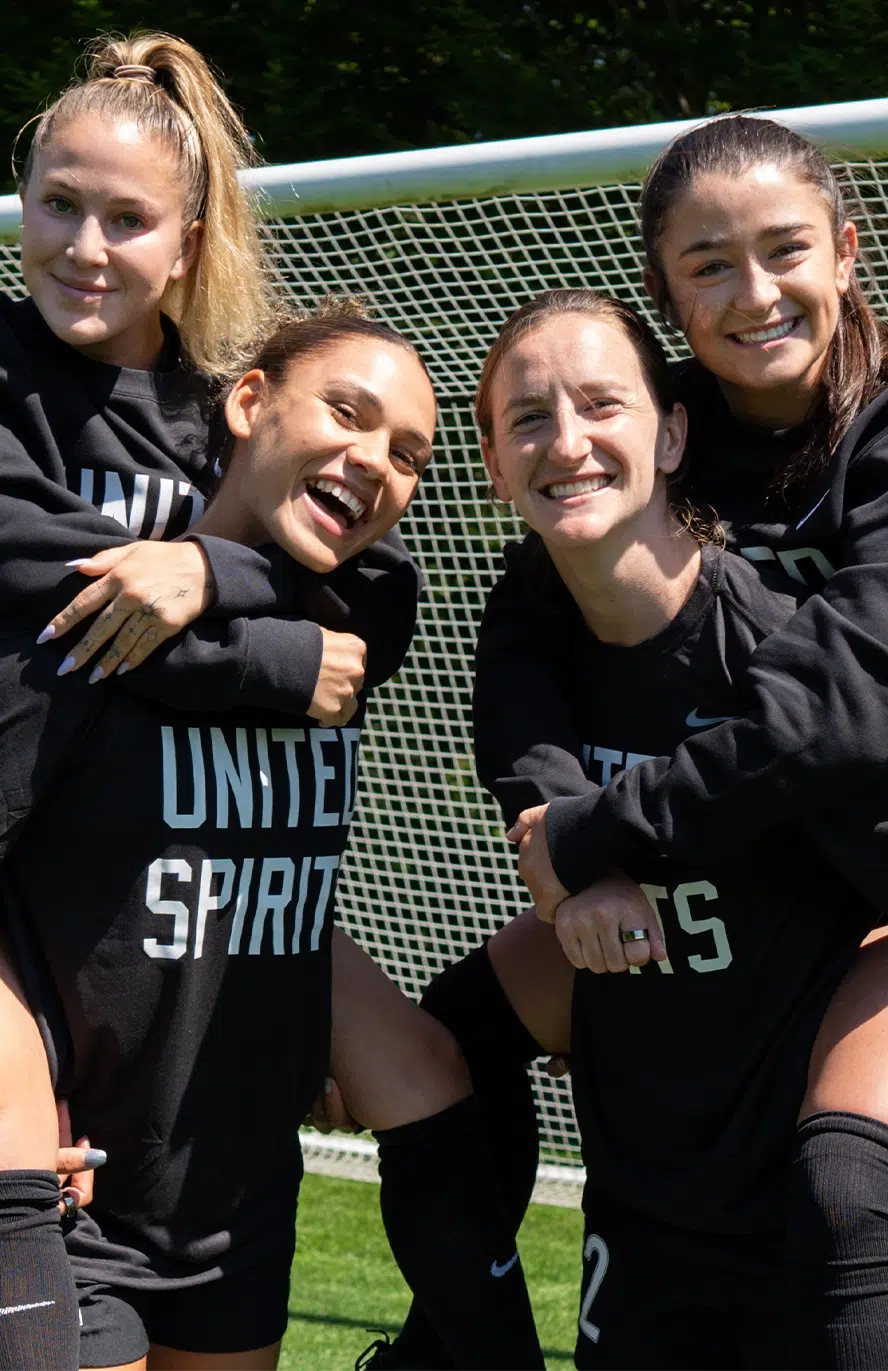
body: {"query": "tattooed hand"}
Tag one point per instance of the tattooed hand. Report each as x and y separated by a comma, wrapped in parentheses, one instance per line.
(150, 592)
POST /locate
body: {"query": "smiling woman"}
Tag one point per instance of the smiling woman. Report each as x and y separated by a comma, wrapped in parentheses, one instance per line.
(103, 238)
(751, 257)
(343, 395)
(205, 981)
(147, 1058)
(141, 156)
(564, 362)
(758, 297)
(689, 1067)
(147, 288)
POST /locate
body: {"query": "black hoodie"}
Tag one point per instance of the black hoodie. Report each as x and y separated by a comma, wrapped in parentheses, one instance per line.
(814, 726)
(92, 456)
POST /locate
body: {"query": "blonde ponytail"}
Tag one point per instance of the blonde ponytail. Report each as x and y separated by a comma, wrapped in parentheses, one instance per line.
(166, 87)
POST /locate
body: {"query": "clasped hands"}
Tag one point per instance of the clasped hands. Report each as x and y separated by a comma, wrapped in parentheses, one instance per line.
(588, 925)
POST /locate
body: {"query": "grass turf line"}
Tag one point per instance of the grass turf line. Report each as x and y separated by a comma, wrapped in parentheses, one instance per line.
(345, 1279)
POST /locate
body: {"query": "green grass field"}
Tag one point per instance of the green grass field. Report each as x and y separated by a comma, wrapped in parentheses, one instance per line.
(345, 1280)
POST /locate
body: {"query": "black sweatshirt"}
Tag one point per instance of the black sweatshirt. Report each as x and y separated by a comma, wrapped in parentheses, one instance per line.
(94, 456)
(814, 728)
(688, 1074)
(175, 877)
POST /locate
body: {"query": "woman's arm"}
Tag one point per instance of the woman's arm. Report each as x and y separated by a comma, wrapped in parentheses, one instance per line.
(526, 750)
(813, 731)
(43, 525)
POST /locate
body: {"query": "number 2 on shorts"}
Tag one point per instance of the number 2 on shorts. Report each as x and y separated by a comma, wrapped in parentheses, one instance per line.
(595, 1247)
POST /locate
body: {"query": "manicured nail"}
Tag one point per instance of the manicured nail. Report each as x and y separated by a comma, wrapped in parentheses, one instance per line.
(79, 561)
(44, 637)
(93, 1157)
(328, 1086)
(96, 675)
(67, 665)
(124, 666)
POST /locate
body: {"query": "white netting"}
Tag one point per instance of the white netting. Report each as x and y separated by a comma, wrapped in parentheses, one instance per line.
(428, 874)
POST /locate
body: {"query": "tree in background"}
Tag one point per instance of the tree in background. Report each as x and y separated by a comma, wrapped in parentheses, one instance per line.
(333, 78)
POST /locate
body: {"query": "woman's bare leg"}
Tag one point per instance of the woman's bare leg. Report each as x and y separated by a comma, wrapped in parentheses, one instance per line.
(169, 1359)
(536, 977)
(393, 1063)
(29, 1133)
(35, 1275)
(849, 1063)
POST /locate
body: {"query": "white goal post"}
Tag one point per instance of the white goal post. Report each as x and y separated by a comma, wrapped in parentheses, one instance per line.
(446, 243)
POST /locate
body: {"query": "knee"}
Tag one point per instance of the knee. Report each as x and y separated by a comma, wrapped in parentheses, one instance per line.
(444, 998)
(444, 1062)
(838, 1185)
(428, 1076)
(465, 996)
(468, 998)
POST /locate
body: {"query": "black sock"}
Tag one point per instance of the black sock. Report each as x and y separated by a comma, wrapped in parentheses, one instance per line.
(455, 1247)
(39, 1327)
(467, 997)
(838, 1243)
(469, 1000)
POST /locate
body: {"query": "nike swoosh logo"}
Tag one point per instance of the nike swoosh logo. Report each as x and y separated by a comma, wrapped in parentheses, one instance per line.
(807, 516)
(496, 1270)
(20, 1308)
(694, 720)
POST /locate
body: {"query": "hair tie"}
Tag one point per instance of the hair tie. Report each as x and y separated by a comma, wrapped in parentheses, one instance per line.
(133, 72)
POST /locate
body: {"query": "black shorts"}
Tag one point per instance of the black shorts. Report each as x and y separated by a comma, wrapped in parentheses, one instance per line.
(234, 1313)
(658, 1296)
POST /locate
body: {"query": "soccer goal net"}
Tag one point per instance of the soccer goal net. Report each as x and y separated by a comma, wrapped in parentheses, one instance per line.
(446, 244)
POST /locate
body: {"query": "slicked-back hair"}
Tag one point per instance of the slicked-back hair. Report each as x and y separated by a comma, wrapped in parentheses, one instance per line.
(554, 304)
(165, 87)
(856, 367)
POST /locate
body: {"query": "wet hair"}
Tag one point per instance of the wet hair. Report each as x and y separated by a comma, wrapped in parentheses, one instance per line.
(165, 87)
(553, 304)
(857, 359)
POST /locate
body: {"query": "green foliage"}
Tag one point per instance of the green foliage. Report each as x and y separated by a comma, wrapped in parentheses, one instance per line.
(334, 78)
(346, 1282)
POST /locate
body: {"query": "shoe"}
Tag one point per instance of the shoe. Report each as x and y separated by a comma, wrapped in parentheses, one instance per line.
(385, 1355)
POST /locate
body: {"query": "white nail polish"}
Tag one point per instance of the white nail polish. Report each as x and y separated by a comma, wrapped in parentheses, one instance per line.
(124, 666)
(95, 675)
(67, 665)
(79, 561)
(44, 637)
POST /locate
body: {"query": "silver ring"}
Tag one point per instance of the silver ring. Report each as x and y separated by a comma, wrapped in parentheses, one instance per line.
(633, 935)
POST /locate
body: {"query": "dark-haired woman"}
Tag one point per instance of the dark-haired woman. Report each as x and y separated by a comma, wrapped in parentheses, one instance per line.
(751, 257)
(146, 283)
(688, 1079)
(193, 964)
(109, 416)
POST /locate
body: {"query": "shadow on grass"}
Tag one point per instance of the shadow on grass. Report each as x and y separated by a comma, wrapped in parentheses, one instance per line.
(343, 1321)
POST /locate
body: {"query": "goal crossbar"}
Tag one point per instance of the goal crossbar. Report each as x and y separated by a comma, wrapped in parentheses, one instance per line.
(854, 130)
(445, 244)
